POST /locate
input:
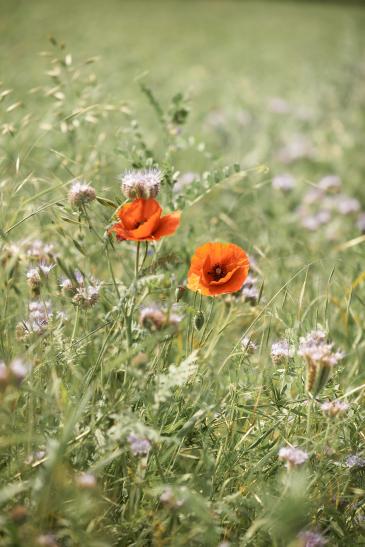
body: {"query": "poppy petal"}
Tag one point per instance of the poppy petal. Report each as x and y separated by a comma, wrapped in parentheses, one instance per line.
(167, 225)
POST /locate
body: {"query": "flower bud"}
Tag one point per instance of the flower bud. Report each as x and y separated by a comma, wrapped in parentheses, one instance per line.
(199, 320)
(80, 194)
(179, 293)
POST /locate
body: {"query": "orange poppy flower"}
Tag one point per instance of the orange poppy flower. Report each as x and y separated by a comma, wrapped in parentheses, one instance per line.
(141, 220)
(218, 268)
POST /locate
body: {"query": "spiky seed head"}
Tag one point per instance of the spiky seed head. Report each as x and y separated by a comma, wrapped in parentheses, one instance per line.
(141, 183)
(81, 194)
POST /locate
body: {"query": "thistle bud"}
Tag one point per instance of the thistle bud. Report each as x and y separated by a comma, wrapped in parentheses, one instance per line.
(199, 320)
(81, 194)
(141, 183)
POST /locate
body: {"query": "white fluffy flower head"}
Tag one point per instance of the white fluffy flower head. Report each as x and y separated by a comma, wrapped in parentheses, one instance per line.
(81, 193)
(292, 456)
(141, 183)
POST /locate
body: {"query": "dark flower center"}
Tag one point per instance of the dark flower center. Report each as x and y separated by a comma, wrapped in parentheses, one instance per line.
(139, 223)
(217, 272)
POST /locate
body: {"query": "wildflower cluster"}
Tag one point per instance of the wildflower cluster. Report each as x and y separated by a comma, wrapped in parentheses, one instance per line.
(325, 204)
(320, 357)
(83, 294)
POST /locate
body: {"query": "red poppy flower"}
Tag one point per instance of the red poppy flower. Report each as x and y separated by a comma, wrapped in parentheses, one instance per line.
(218, 268)
(141, 220)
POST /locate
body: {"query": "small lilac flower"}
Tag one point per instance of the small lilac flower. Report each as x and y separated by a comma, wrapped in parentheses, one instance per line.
(334, 408)
(86, 481)
(297, 148)
(39, 250)
(347, 205)
(310, 222)
(184, 180)
(284, 182)
(281, 351)
(292, 456)
(169, 499)
(87, 297)
(311, 539)
(139, 446)
(330, 183)
(18, 370)
(33, 278)
(314, 347)
(355, 462)
(46, 267)
(250, 295)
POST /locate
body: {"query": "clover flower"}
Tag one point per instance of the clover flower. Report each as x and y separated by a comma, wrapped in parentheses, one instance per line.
(334, 408)
(141, 183)
(81, 194)
(281, 351)
(139, 446)
(293, 456)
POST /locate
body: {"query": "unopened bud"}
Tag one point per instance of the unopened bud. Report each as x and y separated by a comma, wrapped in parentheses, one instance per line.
(179, 293)
(199, 320)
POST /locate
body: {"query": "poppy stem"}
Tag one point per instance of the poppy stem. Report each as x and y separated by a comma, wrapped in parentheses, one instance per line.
(137, 260)
(145, 255)
(191, 320)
